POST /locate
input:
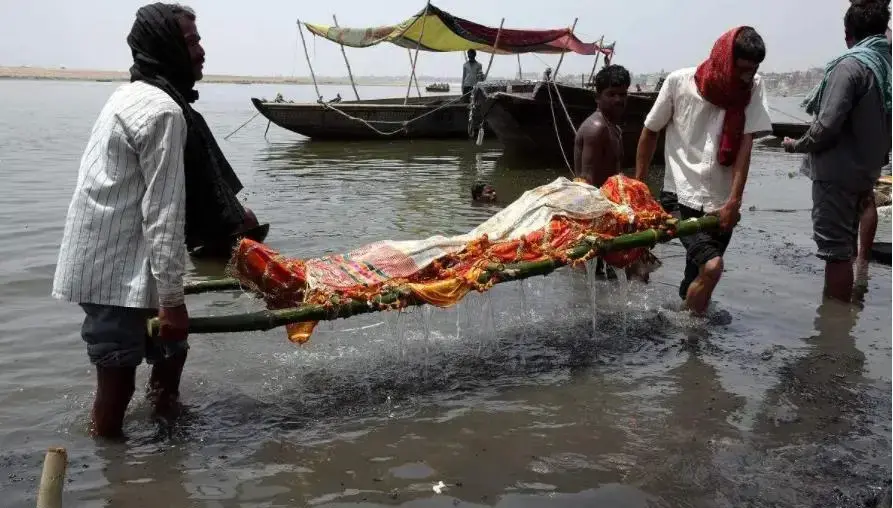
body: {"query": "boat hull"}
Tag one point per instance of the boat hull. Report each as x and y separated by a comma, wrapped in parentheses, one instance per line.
(527, 123)
(370, 119)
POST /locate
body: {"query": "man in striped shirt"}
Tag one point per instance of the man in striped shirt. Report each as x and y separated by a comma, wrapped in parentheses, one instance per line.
(123, 252)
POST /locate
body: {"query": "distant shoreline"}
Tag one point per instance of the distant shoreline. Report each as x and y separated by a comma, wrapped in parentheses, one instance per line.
(48, 74)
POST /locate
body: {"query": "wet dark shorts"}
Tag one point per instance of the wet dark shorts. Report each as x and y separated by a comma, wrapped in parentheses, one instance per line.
(116, 337)
(699, 247)
(835, 220)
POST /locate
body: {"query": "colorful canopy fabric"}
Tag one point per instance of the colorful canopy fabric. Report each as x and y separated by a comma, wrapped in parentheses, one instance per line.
(436, 30)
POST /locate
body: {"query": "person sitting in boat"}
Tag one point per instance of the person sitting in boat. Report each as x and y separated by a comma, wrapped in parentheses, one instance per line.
(152, 183)
(483, 192)
(472, 73)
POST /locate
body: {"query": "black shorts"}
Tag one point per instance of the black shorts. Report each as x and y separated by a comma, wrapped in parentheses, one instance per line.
(699, 247)
(117, 337)
(835, 220)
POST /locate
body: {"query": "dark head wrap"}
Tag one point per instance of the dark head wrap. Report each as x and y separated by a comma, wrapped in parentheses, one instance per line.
(161, 58)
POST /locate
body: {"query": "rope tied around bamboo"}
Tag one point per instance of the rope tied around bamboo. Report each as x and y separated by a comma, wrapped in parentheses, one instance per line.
(400, 296)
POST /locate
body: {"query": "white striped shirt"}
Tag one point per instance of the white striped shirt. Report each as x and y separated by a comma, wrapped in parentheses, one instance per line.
(124, 240)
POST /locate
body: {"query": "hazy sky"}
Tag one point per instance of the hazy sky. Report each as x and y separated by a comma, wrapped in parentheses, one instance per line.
(260, 37)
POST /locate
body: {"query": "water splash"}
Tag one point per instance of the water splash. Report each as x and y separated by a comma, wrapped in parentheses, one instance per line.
(592, 289)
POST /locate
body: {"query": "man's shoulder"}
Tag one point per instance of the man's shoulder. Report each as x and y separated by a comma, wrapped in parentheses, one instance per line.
(681, 74)
(144, 99)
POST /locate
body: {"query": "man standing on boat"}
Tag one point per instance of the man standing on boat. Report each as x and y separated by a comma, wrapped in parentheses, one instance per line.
(151, 182)
(710, 114)
(472, 73)
(848, 142)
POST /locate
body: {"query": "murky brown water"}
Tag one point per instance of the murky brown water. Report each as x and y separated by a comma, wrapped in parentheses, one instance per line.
(508, 399)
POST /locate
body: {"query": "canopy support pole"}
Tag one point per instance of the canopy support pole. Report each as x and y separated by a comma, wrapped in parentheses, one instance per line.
(495, 46)
(520, 73)
(561, 58)
(310, 65)
(418, 44)
(595, 63)
(347, 63)
(415, 78)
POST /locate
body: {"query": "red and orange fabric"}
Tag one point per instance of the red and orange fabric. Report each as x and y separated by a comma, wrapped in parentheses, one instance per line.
(718, 83)
(283, 282)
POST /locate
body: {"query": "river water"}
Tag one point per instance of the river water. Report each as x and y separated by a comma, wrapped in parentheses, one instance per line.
(525, 396)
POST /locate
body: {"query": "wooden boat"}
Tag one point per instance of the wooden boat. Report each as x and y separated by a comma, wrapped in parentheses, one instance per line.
(526, 123)
(438, 87)
(418, 117)
(438, 117)
(445, 117)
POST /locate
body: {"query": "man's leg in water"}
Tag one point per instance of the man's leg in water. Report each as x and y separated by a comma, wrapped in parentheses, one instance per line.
(703, 259)
(867, 230)
(836, 216)
(115, 338)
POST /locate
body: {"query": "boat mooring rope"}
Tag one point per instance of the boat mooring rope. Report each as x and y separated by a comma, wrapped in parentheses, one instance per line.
(555, 125)
(402, 123)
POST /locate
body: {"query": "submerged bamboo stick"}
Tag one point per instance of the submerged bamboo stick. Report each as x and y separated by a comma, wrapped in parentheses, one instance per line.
(52, 479)
(267, 319)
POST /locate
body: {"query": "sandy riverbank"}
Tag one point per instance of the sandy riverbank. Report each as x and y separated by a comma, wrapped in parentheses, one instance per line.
(44, 73)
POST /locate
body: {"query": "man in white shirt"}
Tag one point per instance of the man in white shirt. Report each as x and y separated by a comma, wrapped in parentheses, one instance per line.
(150, 183)
(472, 72)
(710, 114)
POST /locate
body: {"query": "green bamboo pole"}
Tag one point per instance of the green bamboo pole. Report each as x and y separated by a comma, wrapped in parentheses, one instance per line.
(268, 319)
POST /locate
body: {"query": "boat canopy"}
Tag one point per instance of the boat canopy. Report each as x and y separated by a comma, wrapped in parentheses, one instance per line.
(434, 29)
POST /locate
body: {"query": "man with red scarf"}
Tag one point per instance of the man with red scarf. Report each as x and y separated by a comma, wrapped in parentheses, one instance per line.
(710, 113)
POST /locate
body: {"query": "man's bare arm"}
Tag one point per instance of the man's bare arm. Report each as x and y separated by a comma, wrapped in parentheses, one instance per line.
(598, 163)
(645, 152)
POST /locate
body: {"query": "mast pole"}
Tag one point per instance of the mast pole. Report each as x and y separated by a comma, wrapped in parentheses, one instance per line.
(417, 89)
(418, 44)
(346, 62)
(561, 59)
(595, 63)
(495, 45)
(310, 65)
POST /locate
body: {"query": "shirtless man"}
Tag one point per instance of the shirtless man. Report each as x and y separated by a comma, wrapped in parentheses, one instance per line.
(598, 146)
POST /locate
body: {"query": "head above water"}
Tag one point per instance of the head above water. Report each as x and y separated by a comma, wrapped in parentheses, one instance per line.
(865, 18)
(483, 191)
(472, 54)
(611, 89)
(164, 42)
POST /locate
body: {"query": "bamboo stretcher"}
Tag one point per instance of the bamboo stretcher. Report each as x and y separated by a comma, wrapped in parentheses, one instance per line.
(264, 320)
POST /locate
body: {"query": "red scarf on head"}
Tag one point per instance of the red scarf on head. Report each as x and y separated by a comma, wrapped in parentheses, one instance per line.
(717, 82)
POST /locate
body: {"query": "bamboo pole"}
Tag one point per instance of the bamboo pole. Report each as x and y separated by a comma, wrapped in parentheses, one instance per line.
(268, 319)
(561, 58)
(52, 479)
(347, 63)
(595, 63)
(415, 59)
(309, 65)
(495, 46)
(415, 78)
